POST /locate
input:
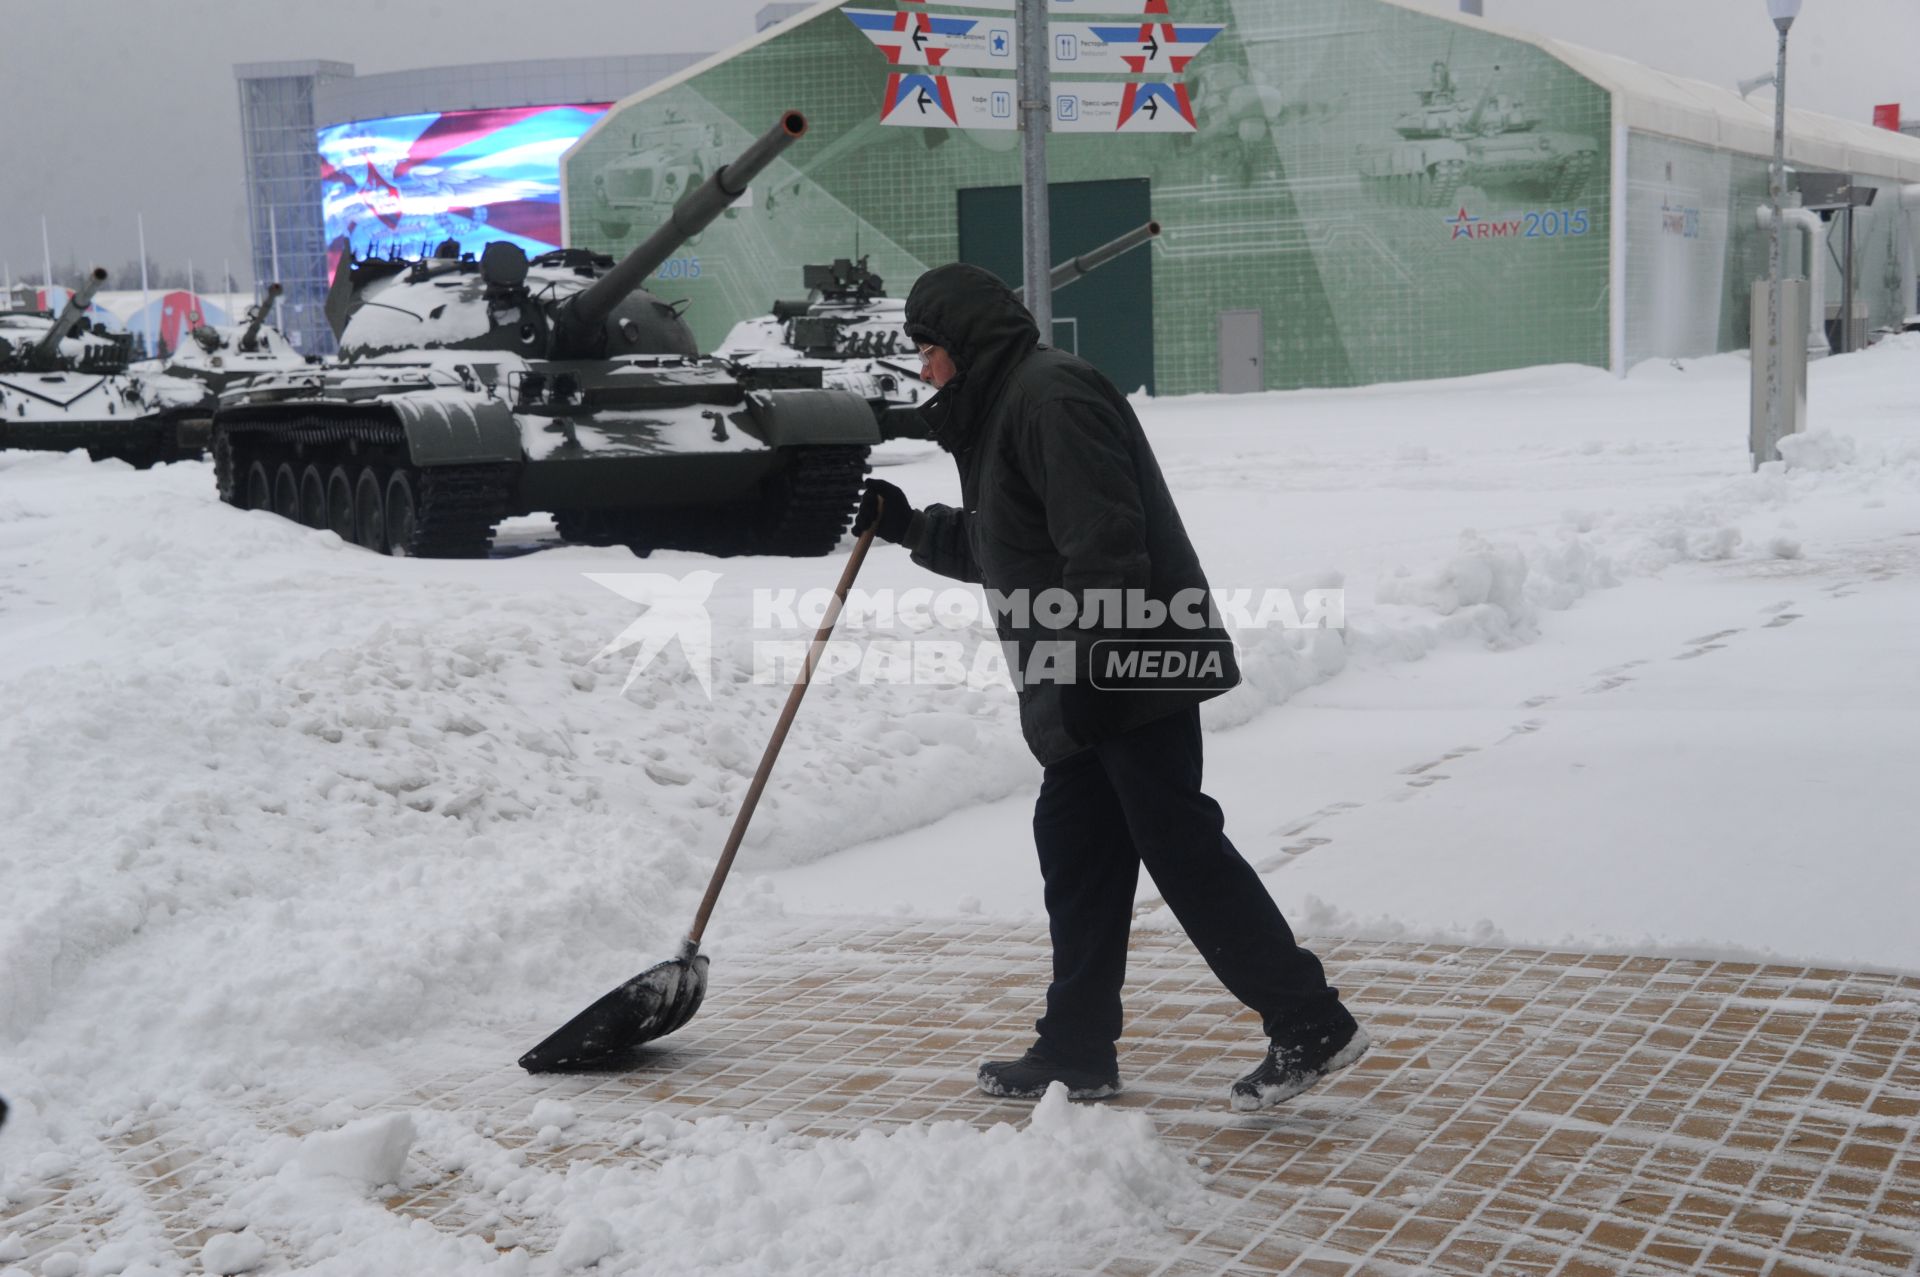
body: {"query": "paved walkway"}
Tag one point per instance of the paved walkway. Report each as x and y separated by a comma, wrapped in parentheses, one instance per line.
(1522, 1112)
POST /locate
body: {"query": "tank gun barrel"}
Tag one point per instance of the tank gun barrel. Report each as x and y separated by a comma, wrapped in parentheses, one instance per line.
(70, 314)
(693, 214)
(1075, 269)
(251, 337)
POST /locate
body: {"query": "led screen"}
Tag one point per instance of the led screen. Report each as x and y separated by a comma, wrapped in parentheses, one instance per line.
(407, 182)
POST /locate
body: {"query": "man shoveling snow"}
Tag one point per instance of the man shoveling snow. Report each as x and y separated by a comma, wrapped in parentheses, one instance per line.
(1065, 513)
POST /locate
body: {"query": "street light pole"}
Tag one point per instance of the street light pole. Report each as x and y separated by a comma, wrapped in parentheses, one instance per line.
(1783, 13)
(1036, 116)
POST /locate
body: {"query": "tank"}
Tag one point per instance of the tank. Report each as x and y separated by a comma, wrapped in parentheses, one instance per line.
(473, 390)
(66, 384)
(847, 334)
(1494, 145)
(221, 356)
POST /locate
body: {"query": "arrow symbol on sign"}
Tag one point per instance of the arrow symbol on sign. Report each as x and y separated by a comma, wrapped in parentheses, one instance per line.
(919, 37)
(1153, 48)
(923, 101)
(1153, 108)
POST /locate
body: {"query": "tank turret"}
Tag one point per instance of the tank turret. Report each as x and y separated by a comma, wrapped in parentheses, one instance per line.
(541, 309)
(848, 335)
(47, 349)
(582, 318)
(250, 336)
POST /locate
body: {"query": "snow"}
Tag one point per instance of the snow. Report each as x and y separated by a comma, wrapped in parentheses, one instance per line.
(279, 812)
(371, 1151)
(227, 1253)
(722, 1197)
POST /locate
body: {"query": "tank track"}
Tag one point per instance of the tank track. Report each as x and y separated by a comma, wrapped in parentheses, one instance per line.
(459, 507)
(802, 511)
(813, 500)
(455, 507)
(1572, 177)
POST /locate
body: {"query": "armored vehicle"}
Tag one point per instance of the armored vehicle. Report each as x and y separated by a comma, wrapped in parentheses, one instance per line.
(65, 384)
(1492, 145)
(848, 334)
(219, 356)
(474, 390)
(644, 186)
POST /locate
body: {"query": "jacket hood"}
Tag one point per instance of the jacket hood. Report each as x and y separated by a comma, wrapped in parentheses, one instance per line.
(976, 318)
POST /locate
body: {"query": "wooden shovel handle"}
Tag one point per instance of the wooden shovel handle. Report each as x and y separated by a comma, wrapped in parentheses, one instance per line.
(752, 799)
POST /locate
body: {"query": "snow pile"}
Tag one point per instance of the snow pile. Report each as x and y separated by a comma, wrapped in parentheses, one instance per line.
(1817, 450)
(945, 1198)
(371, 1151)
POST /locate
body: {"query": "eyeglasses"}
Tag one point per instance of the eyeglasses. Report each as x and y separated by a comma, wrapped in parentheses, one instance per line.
(927, 353)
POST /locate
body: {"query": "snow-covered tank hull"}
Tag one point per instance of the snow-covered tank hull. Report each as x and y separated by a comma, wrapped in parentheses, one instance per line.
(425, 458)
(65, 386)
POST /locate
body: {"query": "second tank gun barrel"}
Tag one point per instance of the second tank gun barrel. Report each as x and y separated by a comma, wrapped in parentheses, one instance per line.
(1075, 269)
(693, 214)
(251, 337)
(70, 314)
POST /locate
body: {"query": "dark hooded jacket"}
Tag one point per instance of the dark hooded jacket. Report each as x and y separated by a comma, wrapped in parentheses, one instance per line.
(1060, 491)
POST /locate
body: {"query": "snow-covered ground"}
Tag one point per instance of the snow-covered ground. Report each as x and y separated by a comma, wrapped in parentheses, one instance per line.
(270, 806)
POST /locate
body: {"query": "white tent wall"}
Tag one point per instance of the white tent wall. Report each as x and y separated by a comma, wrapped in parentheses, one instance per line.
(1694, 245)
(1690, 170)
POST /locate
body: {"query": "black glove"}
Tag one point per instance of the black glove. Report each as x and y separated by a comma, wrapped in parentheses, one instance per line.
(883, 508)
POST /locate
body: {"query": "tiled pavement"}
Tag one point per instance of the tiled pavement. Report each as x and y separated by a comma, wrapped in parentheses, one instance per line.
(1522, 1112)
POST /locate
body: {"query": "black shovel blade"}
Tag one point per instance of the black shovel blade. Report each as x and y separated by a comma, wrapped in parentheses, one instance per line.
(606, 1036)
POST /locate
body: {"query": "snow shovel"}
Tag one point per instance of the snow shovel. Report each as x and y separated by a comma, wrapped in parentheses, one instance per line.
(606, 1036)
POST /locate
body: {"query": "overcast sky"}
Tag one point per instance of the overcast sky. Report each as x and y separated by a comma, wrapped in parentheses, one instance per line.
(116, 106)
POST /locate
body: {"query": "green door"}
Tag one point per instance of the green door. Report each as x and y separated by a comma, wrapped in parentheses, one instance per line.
(1106, 318)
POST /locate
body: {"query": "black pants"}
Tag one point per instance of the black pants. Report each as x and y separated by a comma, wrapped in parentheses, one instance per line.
(1135, 799)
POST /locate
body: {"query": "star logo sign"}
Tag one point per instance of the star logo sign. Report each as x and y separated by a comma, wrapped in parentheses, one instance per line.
(1462, 224)
(676, 608)
(999, 42)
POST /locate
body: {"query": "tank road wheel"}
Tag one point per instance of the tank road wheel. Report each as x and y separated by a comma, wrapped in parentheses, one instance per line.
(258, 494)
(313, 497)
(286, 492)
(370, 512)
(340, 516)
(401, 513)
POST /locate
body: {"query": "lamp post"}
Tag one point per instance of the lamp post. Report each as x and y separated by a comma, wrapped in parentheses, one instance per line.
(1783, 13)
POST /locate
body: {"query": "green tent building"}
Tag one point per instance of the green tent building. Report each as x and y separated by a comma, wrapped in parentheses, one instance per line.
(1372, 193)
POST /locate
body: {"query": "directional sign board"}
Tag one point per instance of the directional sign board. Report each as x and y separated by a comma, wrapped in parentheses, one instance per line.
(1140, 48)
(933, 101)
(953, 42)
(1125, 107)
(937, 39)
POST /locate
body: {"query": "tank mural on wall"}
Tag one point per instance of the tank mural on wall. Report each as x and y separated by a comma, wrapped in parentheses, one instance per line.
(1270, 204)
(1493, 144)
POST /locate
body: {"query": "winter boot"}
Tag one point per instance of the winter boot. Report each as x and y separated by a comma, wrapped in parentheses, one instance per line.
(1299, 1058)
(1028, 1077)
